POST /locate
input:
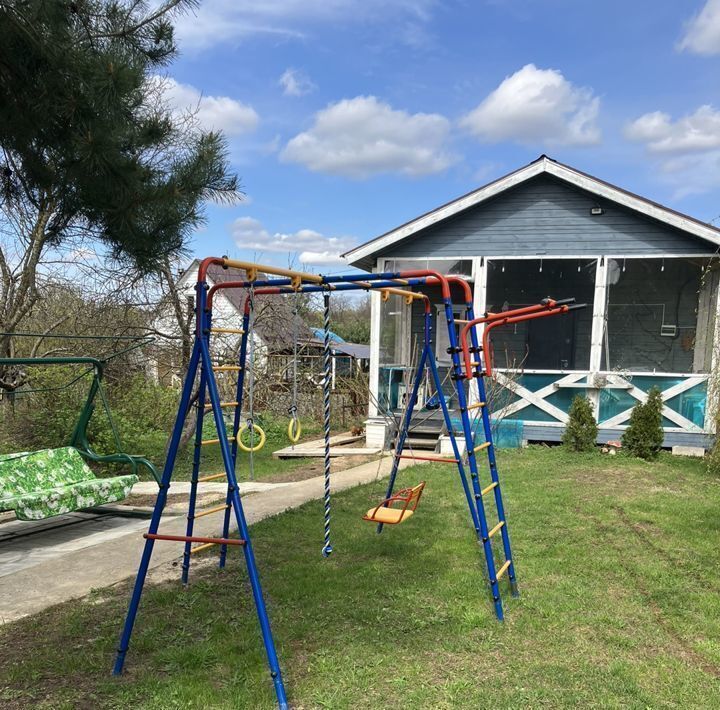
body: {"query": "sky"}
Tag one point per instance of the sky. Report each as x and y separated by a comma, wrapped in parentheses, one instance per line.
(346, 118)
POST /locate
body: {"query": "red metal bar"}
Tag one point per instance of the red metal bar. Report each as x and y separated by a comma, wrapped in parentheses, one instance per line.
(192, 538)
(517, 315)
(427, 458)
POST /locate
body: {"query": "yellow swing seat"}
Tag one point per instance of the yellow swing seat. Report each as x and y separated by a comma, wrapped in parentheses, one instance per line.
(388, 515)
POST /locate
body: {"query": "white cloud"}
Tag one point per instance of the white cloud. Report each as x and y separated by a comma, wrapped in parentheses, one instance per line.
(213, 112)
(686, 151)
(696, 132)
(218, 21)
(363, 136)
(295, 83)
(536, 106)
(702, 31)
(312, 247)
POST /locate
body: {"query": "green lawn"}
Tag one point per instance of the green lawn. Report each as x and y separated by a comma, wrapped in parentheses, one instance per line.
(264, 465)
(619, 569)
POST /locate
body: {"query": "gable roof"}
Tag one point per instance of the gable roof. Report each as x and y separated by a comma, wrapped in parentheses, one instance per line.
(363, 255)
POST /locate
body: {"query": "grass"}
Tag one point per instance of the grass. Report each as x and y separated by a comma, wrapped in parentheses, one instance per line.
(619, 571)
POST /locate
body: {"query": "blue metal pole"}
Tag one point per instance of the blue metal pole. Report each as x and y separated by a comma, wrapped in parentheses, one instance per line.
(494, 475)
(194, 477)
(244, 535)
(402, 434)
(456, 450)
(459, 378)
(159, 506)
(236, 427)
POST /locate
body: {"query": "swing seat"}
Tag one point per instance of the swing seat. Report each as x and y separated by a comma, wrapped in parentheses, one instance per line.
(41, 484)
(384, 513)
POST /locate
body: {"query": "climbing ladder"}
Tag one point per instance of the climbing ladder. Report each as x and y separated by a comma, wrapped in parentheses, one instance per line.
(476, 368)
(208, 402)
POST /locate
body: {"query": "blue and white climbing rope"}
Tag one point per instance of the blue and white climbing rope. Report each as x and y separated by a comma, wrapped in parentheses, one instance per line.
(327, 367)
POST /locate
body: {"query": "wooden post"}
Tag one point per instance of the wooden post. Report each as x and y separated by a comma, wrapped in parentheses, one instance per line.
(597, 335)
(374, 375)
(480, 273)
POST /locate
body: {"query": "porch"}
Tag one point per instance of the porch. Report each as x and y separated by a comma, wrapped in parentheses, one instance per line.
(650, 321)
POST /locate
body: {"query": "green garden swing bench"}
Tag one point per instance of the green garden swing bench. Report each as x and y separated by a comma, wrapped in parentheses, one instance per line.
(49, 482)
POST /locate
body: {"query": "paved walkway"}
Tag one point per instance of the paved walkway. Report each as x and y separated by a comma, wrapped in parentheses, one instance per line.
(54, 562)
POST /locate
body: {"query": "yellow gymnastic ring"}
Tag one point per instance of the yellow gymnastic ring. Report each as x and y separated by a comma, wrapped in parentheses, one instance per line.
(258, 431)
(294, 430)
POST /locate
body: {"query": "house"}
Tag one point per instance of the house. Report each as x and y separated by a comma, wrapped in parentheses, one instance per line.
(648, 274)
(275, 327)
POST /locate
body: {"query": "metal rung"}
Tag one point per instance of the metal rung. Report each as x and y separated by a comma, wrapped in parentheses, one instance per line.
(436, 459)
(210, 511)
(478, 405)
(233, 331)
(502, 570)
(496, 528)
(485, 445)
(489, 488)
(460, 320)
(212, 477)
(476, 364)
(193, 538)
(214, 441)
(227, 368)
(223, 405)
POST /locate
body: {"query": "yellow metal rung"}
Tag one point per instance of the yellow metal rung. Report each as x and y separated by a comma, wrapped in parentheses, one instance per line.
(496, 528)
(212, 477)
(460, 320)
(502, 570)
(234, 331)
(488, 489)
(227, 368)
(204, 546)
(485, 445)
(476, 364)
(214, 441)
(210, 511)
(223, 405)
(477, 405)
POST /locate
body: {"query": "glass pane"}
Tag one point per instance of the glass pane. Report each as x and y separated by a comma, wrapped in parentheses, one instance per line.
(652, 314)
(554, 343)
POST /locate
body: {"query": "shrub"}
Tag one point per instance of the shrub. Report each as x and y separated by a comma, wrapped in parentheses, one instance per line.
(581, 430)
(644, 436)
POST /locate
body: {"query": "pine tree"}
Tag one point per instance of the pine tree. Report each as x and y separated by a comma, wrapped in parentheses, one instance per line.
(581, 429)
(89, 148)
(644, 436)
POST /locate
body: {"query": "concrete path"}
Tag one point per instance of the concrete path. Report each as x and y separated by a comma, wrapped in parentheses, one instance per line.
(43, 569)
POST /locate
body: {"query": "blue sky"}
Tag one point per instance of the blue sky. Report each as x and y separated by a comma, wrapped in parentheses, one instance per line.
(348, 117)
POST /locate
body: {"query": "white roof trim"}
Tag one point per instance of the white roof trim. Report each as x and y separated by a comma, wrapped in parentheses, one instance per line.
(542, 165)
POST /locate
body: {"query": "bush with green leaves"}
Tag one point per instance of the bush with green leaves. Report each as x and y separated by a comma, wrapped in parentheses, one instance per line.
(581, 430)
(644, 436)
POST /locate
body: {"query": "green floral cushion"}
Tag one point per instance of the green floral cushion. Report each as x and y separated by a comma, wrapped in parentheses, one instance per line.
(65, 499)
(40, 470)
(41, 484)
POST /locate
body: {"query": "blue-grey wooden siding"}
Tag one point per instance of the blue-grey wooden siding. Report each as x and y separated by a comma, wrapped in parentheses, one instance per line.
(545, 216)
